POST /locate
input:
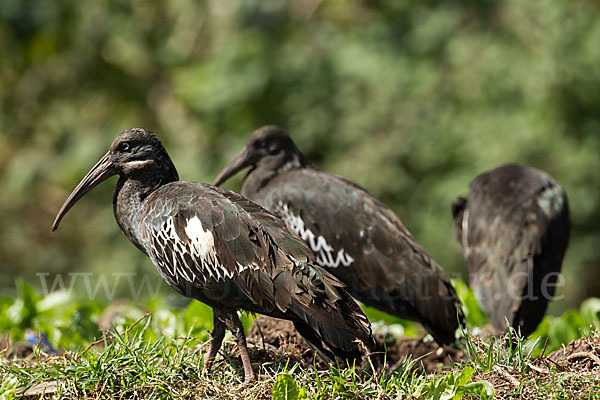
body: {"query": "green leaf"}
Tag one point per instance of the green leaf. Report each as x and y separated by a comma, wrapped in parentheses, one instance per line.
(8, 387)
(483, 389)
(5, 321)
(24, 308)
(475, 316)
(567, 327)
(442, 390)
(56, 299)
(247, 320)
(590, 309)
(465, 376)
(285, 388)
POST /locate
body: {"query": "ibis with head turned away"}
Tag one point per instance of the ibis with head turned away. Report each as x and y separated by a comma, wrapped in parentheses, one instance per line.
(513, 230)
(352, 234)
(218, 247)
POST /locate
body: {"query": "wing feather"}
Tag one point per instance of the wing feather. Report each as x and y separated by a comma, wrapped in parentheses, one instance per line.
(516, 234)
(365, 245)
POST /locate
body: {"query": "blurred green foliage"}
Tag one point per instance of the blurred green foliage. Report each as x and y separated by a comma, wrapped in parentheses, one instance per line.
(473, 313)
(72, 323)
(411, 99)
(572, 324)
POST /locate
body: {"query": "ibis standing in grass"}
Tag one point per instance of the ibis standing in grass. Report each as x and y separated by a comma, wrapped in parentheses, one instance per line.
(513, 230)
(216, 246)
(353, 234)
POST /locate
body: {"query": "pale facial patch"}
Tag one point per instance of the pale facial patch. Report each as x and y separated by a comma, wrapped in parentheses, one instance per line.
(551, 200)
(131, 166)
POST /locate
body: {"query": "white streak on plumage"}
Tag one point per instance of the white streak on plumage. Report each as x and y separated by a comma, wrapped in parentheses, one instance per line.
(326, 255)
(465, 230)
(241, 268)
(199, 246)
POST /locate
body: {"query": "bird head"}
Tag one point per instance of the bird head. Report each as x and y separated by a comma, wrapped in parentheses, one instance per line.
(136, 153)
(269, 147)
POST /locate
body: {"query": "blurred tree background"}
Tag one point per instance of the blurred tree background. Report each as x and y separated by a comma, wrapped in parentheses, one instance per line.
(410, 99)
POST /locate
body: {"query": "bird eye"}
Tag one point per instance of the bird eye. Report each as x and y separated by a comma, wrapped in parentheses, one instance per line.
(261, 142)
(124, 146)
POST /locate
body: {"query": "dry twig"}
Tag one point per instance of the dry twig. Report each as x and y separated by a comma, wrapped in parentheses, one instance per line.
(509, 377)
(584, 354)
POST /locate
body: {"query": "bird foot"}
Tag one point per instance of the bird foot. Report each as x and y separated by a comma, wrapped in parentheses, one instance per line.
(207, 367)
(248, 381)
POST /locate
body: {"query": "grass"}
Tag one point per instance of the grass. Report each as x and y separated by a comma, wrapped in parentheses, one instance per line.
(509, 365)
(161, 356)
(131, 367)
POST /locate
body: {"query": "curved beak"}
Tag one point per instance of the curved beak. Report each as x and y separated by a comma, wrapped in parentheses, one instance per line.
(242, 160)
(101, 171)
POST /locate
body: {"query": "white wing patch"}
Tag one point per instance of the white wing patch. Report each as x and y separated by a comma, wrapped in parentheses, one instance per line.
(202, 247)
(202, 241)
(192, 260)
(326, 255)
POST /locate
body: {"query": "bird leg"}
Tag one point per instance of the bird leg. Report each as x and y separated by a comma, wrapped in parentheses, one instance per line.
(235, 326)
(216, 338)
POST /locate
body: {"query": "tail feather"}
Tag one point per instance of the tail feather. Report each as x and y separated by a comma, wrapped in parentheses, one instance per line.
(327, 316)
(438, 308)
(334, 341)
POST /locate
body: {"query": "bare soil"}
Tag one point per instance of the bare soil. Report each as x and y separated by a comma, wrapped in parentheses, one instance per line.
(271, 339)
(576, 366)
(578, 354)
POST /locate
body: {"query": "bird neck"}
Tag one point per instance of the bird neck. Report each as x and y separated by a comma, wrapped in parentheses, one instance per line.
(267, 169)
(129, 201)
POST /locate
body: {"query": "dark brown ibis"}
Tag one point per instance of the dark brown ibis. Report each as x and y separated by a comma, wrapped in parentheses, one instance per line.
(218, 247)
(353, 235)
(513, 230)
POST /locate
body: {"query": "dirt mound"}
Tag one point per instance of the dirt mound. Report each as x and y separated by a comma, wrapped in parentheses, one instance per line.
(578, 354)
(276, 340)
(429, 356)
(570, 372)
(271, 338)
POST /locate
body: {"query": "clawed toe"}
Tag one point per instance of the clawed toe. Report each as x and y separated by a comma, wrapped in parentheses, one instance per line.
(248, 381)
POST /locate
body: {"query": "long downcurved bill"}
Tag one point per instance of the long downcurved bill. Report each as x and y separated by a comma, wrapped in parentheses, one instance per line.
(242, 160)
(100, 172)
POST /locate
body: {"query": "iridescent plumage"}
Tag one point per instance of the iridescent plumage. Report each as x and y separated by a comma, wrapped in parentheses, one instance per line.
(216, 246)
(513, 230)
(352, 234)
